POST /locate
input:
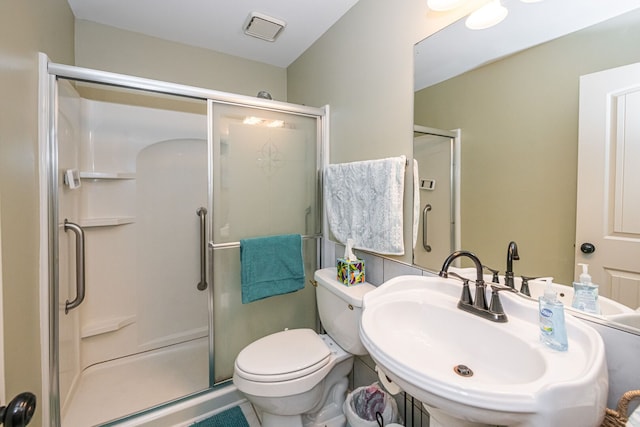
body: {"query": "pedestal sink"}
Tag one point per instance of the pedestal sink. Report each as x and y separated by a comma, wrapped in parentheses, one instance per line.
(469, 371)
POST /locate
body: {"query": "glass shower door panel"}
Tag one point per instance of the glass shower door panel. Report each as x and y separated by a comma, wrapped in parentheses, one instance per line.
(237, 324)
(141, 336)
(172, 185)
(69, 124)
(265, 183)
(434, 156)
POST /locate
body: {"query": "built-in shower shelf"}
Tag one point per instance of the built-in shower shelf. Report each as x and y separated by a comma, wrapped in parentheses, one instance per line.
(107, 175)
(107, 222)
(105, 326)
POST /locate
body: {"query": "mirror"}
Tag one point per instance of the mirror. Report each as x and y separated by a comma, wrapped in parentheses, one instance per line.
(517, 109)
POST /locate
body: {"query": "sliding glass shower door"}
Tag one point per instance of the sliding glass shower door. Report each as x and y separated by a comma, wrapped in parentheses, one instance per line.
(265, 182)
(150, 187)
(132, 195)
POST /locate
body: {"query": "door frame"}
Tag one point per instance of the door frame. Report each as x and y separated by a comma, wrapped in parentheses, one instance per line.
(3, 395)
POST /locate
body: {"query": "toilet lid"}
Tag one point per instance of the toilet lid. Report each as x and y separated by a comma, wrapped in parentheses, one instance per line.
(283, 356)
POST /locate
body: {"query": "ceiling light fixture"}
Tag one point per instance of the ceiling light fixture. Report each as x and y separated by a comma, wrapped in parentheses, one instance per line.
(487, 16)
(263, 27)
(442, 5)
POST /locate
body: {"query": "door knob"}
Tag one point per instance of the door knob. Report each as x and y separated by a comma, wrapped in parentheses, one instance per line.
(587, 248)
(19, 411)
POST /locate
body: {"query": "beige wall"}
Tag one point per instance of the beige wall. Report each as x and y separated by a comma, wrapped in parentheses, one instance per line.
(363, 68)
(26, 27)
(519, 121)
(110, 49)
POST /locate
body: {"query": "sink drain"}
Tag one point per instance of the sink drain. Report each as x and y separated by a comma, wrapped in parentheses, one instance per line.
(463, 370)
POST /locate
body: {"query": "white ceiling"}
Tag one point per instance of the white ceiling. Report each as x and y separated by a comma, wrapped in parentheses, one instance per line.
(218, 24)
(456, 49)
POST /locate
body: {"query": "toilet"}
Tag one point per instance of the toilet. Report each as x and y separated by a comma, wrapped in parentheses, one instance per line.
(298, 378)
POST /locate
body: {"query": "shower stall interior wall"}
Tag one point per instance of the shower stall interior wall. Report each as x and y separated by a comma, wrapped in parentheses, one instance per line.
(133, 180)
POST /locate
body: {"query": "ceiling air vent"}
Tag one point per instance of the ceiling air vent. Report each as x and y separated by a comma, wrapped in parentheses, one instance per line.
(263, 27)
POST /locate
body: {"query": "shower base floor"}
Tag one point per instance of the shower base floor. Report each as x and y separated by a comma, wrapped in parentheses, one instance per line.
(121, 387)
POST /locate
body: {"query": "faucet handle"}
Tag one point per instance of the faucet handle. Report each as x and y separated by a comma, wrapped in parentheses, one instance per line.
(465, 298)
(524, 288)
(457, 276)
(494, 274)
(495, 306)
(497, 287)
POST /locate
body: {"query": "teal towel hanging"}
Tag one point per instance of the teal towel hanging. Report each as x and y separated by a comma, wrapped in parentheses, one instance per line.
(271, 266)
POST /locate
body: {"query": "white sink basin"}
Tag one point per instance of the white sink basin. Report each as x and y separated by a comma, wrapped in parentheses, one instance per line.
(415, 333)
(631, 319)
(608, 307)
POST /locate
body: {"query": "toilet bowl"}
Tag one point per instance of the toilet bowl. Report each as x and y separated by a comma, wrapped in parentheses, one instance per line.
(298, 378)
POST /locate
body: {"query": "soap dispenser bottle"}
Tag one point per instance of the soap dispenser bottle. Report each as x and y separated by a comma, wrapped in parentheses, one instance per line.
(553, 332)
(585, 293)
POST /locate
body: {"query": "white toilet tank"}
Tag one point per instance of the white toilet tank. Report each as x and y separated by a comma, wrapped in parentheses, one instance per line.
(340, 308)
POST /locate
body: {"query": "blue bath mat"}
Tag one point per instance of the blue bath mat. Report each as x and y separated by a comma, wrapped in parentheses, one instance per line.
(230, 418)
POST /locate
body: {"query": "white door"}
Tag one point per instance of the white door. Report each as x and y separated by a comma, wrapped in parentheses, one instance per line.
(608, 202)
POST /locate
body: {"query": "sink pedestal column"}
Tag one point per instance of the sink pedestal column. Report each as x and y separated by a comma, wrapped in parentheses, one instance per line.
(437, 418)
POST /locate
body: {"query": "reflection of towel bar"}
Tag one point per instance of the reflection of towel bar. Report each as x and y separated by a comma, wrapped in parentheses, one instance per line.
(237, 244)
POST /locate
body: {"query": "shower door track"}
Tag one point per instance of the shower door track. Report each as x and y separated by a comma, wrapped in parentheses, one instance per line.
(121, 80)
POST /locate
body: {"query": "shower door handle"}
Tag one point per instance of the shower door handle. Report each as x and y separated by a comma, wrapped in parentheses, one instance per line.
(80, 283)
(202, 213)
(426, 245)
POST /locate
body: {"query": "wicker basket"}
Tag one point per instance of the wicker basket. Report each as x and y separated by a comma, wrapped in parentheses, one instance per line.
(619, 417)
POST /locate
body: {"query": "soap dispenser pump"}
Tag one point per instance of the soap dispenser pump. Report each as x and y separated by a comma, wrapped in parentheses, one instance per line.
(585, 277)
(553, 332)
(585, 293)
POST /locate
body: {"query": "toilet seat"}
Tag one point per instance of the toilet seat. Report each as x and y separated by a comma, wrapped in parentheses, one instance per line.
(313, 359)
(283, 356)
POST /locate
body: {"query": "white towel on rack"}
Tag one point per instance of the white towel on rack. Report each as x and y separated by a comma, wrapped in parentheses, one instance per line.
(364, 202)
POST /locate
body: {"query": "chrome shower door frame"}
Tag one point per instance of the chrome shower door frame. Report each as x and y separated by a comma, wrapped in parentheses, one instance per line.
(48, 184)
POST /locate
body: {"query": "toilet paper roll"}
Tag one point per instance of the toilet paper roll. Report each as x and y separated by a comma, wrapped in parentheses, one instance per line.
(389, 385)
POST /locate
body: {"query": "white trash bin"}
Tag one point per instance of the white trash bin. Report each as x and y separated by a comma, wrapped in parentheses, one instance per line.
(361, 405)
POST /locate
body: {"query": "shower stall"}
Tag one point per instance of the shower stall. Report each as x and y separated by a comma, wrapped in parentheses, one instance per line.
(147, 189)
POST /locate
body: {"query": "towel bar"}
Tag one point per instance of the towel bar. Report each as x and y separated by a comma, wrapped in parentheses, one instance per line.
(229, 245)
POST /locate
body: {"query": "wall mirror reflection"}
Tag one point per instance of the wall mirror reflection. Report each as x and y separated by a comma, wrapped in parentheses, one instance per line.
(520, 116)
(437, 176)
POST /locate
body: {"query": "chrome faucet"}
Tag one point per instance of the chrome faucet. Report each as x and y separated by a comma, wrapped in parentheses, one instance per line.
(477, 305)
(512, 254)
